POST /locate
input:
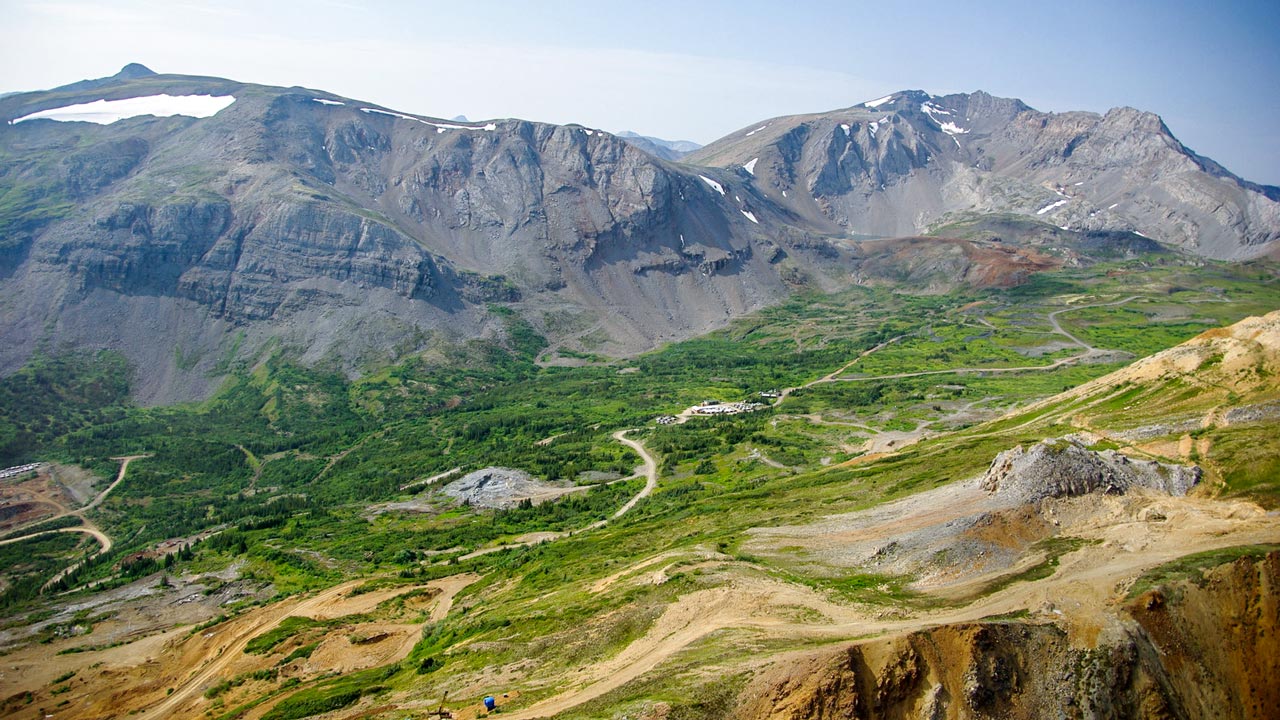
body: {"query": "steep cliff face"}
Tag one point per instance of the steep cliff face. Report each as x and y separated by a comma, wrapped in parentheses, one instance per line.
(998, 670)
(1218, 638)
(1165, 658)
(911, 161)
(569, 214)
(347, 231)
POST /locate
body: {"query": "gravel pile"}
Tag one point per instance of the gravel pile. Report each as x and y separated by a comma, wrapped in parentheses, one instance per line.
(1063, 468)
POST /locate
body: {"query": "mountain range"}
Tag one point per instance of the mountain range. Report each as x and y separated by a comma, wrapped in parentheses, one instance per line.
(961, 410)
(910, 162)
(665, 149)
(352, 234)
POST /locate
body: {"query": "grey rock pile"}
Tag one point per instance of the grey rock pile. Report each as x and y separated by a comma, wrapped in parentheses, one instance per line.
(1064, 468)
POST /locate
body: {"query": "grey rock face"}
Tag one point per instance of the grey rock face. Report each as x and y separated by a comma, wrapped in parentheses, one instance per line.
(918, 161)
(286, 218)
(1065, 468)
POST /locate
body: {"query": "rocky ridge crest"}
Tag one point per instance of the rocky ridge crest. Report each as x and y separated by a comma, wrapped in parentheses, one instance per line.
(912, 162)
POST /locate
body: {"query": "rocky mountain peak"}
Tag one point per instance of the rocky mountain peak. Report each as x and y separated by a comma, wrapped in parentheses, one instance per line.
(345, 228)
(981, 105)
(306, 213)
(901, 100)
(1136, 120)
(132, 71)
(910, 162)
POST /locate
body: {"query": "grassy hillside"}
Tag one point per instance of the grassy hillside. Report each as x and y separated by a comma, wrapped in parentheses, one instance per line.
(299, 478)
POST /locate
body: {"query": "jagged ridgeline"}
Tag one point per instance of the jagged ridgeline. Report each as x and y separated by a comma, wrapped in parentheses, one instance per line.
(190, 222)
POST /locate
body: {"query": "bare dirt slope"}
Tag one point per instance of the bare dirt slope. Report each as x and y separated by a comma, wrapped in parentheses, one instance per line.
(1166, 660)
(165, 675)
(1079, 598)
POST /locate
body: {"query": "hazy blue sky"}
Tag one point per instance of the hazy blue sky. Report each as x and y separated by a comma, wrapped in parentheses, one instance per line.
(695, 70)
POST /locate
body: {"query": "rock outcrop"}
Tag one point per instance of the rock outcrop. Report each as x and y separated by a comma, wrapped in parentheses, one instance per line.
(1065, 468)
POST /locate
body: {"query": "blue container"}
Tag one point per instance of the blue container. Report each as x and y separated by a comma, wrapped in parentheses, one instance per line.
(490, 703)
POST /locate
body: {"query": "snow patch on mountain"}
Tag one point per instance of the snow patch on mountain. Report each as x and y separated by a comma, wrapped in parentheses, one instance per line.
(440, 127)
(1051, 206)
(105, 112)
(948, 127)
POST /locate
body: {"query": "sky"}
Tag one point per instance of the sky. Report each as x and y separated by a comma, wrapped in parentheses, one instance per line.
(694, 70)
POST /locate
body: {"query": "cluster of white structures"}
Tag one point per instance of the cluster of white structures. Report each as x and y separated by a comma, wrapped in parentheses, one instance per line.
(715, 407)
(17, 470)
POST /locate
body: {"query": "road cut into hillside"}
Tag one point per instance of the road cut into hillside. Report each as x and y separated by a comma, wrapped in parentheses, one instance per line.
(1129, 534)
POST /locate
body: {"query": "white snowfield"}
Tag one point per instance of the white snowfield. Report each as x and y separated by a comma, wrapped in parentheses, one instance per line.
(105, 112)
(947, 126)
(753, 132)
(749, 216)
(440, 127)
(751, 166)
(717, 186)
(877, 103)
(1047, 208)
(323, 101)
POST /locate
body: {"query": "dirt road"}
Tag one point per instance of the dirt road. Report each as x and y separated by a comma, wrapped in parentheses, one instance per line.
(1053, 320)
(1088, 349)
(326, 603)
(124, 468)
(1085, 587)
(88, 528)
(650, 473)
(245, 630)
